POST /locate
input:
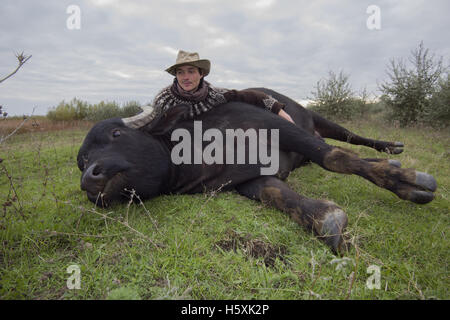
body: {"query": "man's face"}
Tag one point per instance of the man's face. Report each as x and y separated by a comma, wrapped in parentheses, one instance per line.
(188, 77)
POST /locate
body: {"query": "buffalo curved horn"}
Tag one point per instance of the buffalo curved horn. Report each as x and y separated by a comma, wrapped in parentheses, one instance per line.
(141, 119)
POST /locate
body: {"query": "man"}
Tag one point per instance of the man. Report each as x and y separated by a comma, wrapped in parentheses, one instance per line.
(190, 88)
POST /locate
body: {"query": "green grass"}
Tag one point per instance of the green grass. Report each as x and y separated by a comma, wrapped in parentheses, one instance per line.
(221, 246)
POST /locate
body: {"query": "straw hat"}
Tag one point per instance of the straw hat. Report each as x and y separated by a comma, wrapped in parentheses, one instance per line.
(191, 59)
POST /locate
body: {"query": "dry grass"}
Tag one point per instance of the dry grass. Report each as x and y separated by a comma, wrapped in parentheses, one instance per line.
(39, 124)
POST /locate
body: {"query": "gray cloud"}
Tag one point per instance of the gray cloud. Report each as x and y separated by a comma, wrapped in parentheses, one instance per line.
(122, 48)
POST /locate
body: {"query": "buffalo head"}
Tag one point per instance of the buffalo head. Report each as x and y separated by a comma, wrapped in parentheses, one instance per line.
(121, 155)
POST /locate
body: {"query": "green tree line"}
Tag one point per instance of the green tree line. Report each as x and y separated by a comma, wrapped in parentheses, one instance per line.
(77, 109)
(417, 92)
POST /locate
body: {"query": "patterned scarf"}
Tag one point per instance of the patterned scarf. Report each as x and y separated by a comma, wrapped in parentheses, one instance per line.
(202, 100)
(198, 95)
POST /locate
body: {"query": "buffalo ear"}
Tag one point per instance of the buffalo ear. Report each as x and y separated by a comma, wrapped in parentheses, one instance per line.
(166, 121)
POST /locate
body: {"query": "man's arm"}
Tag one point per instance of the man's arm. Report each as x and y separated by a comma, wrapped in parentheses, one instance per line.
(259, 99)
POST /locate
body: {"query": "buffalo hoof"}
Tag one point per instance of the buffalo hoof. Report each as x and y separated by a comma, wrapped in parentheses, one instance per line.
(395, 148)
(332, 230)
(421, 197)
(395, 163)
(425, 185)
(426, 181)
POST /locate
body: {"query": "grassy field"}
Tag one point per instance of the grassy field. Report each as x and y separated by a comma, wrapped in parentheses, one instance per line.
(218, 246)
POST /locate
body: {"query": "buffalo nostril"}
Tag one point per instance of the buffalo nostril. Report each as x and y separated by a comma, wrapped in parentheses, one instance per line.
(94, 172)
(93, 178)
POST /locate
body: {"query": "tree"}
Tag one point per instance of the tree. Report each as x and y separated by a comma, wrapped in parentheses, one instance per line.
(409, 90)
(335, 99)
(438, 111)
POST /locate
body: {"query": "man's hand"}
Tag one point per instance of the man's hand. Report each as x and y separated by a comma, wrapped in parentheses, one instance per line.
(285, 115)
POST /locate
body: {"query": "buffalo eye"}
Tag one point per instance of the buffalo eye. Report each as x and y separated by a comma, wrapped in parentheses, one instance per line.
(116, 133)
(82, 162)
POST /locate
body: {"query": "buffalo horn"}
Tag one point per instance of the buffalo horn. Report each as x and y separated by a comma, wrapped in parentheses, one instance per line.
(140, 119)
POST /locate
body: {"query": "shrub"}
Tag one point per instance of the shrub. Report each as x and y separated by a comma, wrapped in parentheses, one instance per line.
(130, 109)
(103, 110)
(335, 100)
(81, 110)
(437, 112)
(74, 110)
(409, 92)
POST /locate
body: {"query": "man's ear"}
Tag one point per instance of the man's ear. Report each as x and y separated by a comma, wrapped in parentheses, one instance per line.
(166, 122)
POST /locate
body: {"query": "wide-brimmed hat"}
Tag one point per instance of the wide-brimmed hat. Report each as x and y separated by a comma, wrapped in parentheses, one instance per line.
(192, 59)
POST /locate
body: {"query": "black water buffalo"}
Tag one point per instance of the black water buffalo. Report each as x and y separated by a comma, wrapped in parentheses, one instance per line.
(119, 155)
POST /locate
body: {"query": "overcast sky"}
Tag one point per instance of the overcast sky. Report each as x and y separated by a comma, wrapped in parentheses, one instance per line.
(121, 48)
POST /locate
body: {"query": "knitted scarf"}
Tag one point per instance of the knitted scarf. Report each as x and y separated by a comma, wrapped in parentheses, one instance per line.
(205, 98)
(198, 95)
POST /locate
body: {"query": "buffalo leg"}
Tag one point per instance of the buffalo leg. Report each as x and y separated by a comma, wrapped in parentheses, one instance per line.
(391, 162)
(407, 184)
(324, 218)
(329, 129)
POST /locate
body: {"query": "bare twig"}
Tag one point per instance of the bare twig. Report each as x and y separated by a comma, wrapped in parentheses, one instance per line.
(352, 280)
(353, 274)
(106, 217)
(133, 195)
(22, 59)
(313, 264)
(79, 235)
(211, 195)
(16, 196)
(2, 139)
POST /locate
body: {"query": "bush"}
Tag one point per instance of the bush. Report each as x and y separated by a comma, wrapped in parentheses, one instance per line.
(130, 109)
(350, 109)
(103, 110)
(437, 113)
(335, 100)
(81, 110)
(74, 110)
(410, 92)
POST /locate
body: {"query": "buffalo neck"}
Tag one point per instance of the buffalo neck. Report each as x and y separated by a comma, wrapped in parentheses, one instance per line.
(169, 172)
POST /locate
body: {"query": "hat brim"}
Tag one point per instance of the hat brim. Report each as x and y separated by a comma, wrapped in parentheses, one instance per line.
(204, 64)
